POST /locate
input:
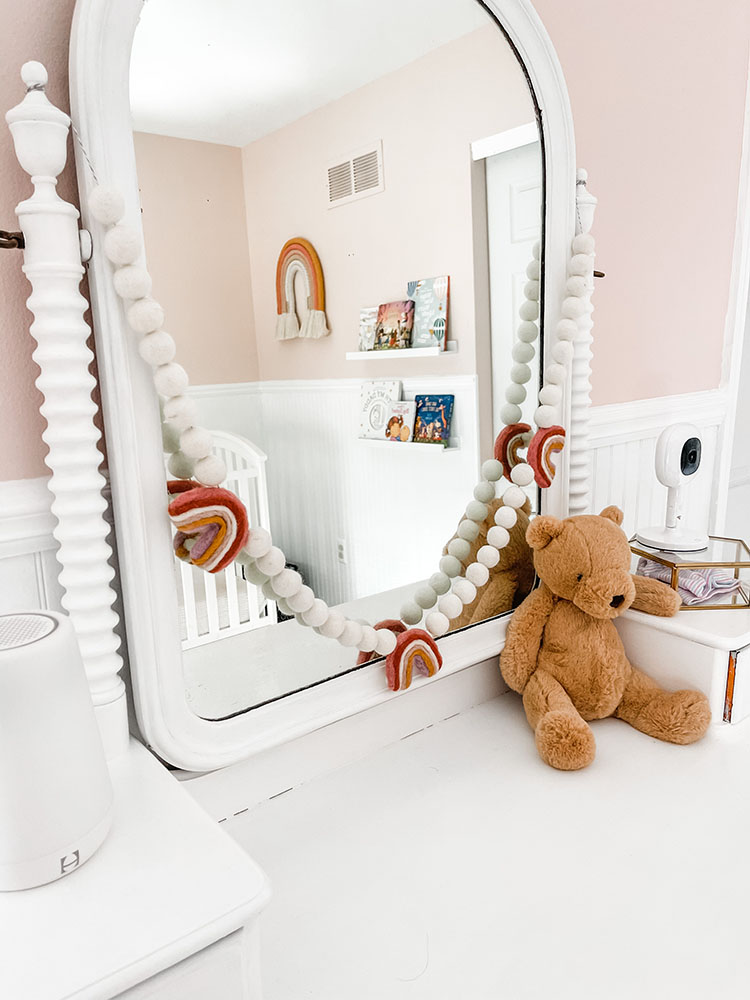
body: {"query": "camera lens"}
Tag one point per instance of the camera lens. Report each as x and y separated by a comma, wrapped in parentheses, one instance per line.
(690, 458)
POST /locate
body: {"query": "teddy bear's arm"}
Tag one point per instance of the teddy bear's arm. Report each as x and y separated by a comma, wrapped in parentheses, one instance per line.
(524, 637)
(655, 597)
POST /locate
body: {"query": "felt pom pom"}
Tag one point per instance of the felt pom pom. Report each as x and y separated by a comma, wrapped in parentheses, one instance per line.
(157, 348)
(107, 205)
(522, 352)
(170, 380)
(333, 626)
(527, 332)
(254, 575)
(531, 290)
(522, 474)
(317, 614)
(515, 393)
(411, 613)
(576, 285)
(566, 329)
(562, 351)
(583, 243)
(550, 395)
(475, 511)
(170, 439)
(459, 548)
(145, 315)
(465, 591)
(498, 537)
(492, 470)
(581, 263)
(181, 412)
(440, 583)
(286, 583)
(536, 250)
(132, 282)
(272, 562)
(529, 310)
(573, 308)
(555, 374)
(437, 624)
(351, 634)
(210, 470)
(505, 517)
(514, 496)
(267, 590)
(386, 641)
(450, 566)
(488, 556)
(484, 492)
(369, 639)
(468, 530)
(533, 270)
(477, 574)
(425, 597)
(451, 606)
(302, 601)
(196, 442)
(180, 466)
(122, 244)
(258, 543)
(510, 413)
(520, 374)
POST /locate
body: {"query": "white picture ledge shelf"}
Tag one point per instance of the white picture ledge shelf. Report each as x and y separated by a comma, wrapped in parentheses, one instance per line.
(454, 444)
(405, 352)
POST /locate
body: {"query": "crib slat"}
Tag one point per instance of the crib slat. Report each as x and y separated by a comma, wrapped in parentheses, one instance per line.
(212, 605)
(188, 594)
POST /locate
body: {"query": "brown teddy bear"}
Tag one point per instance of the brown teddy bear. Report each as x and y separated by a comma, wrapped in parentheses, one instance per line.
(563, 652)
(510, 580)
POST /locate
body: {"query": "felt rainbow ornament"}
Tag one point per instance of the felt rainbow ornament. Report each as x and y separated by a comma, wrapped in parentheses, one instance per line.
(415, 650)
(211, 523)
(542, 454)
(298, 256)
(508, 443)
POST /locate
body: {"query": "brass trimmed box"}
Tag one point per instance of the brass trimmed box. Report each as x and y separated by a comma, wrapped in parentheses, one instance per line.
(721, 553)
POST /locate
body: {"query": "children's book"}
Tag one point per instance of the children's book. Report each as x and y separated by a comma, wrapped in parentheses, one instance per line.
(431, 297)
(399, 424)
(433, 419)
(394, 325)
(374, 406)
(368, 319)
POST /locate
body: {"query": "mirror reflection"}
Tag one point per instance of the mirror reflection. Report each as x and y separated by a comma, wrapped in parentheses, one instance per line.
(339, 202)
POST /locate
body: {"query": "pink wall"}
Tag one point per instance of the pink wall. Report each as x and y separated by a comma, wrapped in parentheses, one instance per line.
(196, 243)
(426, 113)
(657, 90)
(34, 29)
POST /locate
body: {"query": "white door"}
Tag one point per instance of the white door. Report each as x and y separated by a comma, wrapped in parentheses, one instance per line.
(514, 217)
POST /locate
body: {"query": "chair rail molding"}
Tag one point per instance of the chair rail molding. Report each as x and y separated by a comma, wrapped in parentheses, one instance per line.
(52, 263)
(101, 40)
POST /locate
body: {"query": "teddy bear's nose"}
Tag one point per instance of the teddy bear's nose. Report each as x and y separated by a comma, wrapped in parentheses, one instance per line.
(617, 601)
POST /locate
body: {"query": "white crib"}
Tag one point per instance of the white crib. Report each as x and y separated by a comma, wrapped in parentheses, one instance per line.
(214, 606)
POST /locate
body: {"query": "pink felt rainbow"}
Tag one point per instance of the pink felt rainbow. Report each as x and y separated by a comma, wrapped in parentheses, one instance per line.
(508, 443)
(542, 454)
(301, 251)
(415, 650)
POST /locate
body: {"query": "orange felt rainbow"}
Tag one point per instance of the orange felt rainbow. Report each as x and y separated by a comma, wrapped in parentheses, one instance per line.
(415, 650)
(301, 251)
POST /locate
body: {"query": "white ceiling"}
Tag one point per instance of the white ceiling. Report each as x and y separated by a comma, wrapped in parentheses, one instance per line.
(231, 71)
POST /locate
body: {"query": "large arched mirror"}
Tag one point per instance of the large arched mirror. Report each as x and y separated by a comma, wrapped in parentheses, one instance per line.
(343, 210)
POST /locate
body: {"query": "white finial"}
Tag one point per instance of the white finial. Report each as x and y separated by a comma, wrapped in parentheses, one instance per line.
(34, 75)
(582, 176)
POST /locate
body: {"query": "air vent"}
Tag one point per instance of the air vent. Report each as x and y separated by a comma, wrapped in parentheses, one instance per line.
(356, 176)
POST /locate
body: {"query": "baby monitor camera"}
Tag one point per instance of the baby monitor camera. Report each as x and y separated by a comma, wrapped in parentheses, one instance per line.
(678, 457)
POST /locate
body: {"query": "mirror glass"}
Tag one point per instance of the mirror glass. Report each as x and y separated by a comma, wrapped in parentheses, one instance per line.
(340, 200)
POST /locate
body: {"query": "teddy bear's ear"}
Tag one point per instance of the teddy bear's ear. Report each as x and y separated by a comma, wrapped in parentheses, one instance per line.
(613, 514)
(542, 530)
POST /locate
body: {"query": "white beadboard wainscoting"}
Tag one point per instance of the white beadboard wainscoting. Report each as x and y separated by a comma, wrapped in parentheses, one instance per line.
(392, 506)
(622, 442)
(28, 568)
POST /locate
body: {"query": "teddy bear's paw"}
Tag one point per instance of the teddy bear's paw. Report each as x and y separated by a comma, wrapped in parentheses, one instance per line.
(565, 741)
(678, 716)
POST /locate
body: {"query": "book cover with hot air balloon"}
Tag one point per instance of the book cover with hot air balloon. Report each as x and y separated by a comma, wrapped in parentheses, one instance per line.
(433, 419)
(431, 296)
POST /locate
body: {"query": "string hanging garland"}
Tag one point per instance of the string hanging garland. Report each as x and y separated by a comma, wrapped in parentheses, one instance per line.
(194, 464)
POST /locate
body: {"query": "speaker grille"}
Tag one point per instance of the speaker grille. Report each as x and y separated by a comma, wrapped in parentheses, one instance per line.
(21, 630)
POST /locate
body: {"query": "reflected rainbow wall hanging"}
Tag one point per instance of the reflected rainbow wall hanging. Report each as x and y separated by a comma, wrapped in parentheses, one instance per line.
(298, 256)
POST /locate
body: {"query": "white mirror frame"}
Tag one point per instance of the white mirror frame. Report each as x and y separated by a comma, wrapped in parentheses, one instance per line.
(101, 41)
